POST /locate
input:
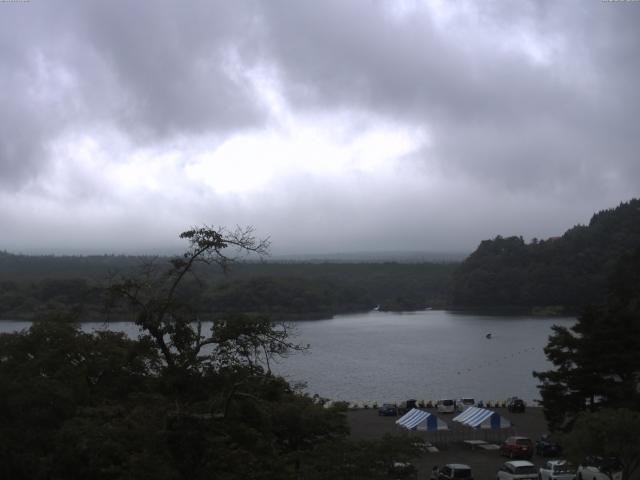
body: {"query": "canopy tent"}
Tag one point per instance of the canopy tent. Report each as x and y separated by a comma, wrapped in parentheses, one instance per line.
(475, 417)
(416, 419)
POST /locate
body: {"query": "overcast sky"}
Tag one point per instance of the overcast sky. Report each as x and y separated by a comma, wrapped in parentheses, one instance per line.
(330, 126)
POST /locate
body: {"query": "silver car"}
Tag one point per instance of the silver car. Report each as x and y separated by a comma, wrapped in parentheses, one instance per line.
(517, 470)
(597, 468)
(557, 470)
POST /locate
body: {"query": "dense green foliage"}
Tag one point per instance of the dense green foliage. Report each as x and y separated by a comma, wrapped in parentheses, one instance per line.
(31, 286)
(286, 296)
(593, 392)
(568, 272)
(101, 406)
(597, 361)
(177, 403)
(609, 433)
(33, 268)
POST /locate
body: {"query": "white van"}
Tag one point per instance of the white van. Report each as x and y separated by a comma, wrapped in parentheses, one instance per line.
(446, 406)
(465, 402)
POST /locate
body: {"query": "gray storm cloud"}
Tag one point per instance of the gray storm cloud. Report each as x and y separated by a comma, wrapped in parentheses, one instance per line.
(529, 113)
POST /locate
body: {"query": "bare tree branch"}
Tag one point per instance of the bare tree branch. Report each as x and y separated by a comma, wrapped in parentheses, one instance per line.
(176, 328)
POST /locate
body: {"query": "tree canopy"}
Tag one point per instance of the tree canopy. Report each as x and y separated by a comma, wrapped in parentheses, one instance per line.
(597, 361)
(567, 272)
(183, 401)
(608, 434)
(30, 286)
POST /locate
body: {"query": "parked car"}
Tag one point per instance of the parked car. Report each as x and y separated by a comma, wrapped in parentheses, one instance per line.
(517, 447)
(515, 405)
(404, 407)
(557, 470)
(446, 406)
(388, 410)
(455, 471)
(594, 468)
(517, 470)
(464, 403)
(545, 447)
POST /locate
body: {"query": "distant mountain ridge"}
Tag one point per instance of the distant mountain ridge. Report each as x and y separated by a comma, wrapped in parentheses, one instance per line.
(560, 274)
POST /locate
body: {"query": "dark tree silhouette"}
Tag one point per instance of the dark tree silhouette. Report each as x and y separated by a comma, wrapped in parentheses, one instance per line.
(597, 361)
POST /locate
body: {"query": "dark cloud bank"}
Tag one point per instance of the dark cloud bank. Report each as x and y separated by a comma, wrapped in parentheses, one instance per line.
(529, 115)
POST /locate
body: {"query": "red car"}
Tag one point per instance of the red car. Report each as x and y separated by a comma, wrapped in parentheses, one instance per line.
(517, 447)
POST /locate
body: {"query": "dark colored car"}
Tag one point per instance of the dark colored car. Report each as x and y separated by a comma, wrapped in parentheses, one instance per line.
(516, 405)
(545, 447)
(406, 406)
(517, 447)
(388, 410)
(455, 471)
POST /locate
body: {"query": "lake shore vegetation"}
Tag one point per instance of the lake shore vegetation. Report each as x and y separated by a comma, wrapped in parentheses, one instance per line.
(176, 403)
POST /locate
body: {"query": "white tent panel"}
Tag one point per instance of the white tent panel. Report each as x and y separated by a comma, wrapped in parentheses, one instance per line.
(416, 419)
(475, 417)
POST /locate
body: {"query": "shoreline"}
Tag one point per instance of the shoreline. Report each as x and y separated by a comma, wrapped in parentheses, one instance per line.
(497, 311)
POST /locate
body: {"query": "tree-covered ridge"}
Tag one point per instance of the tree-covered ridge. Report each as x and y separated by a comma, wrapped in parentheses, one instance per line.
(32, 286)
(568, 272)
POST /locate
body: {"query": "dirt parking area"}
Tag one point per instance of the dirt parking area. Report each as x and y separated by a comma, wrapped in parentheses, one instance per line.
(366, 424)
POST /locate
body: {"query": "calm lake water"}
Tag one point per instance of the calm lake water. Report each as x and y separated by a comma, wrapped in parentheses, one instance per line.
(380, 356)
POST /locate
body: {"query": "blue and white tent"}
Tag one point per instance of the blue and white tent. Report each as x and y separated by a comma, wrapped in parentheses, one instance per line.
(475, 417)
(416, 419)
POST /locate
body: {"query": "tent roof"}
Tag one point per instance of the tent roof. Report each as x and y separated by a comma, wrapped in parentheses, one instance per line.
(481, 417)
(419, 419)
(412, 418)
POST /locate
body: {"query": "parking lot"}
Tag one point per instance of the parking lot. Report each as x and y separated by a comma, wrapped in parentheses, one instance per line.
(366, 424)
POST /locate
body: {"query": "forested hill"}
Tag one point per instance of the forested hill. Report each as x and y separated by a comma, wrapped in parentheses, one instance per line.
(558, 274)
(35, 285)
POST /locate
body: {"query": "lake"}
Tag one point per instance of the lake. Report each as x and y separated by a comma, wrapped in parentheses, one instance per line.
(382, 356)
